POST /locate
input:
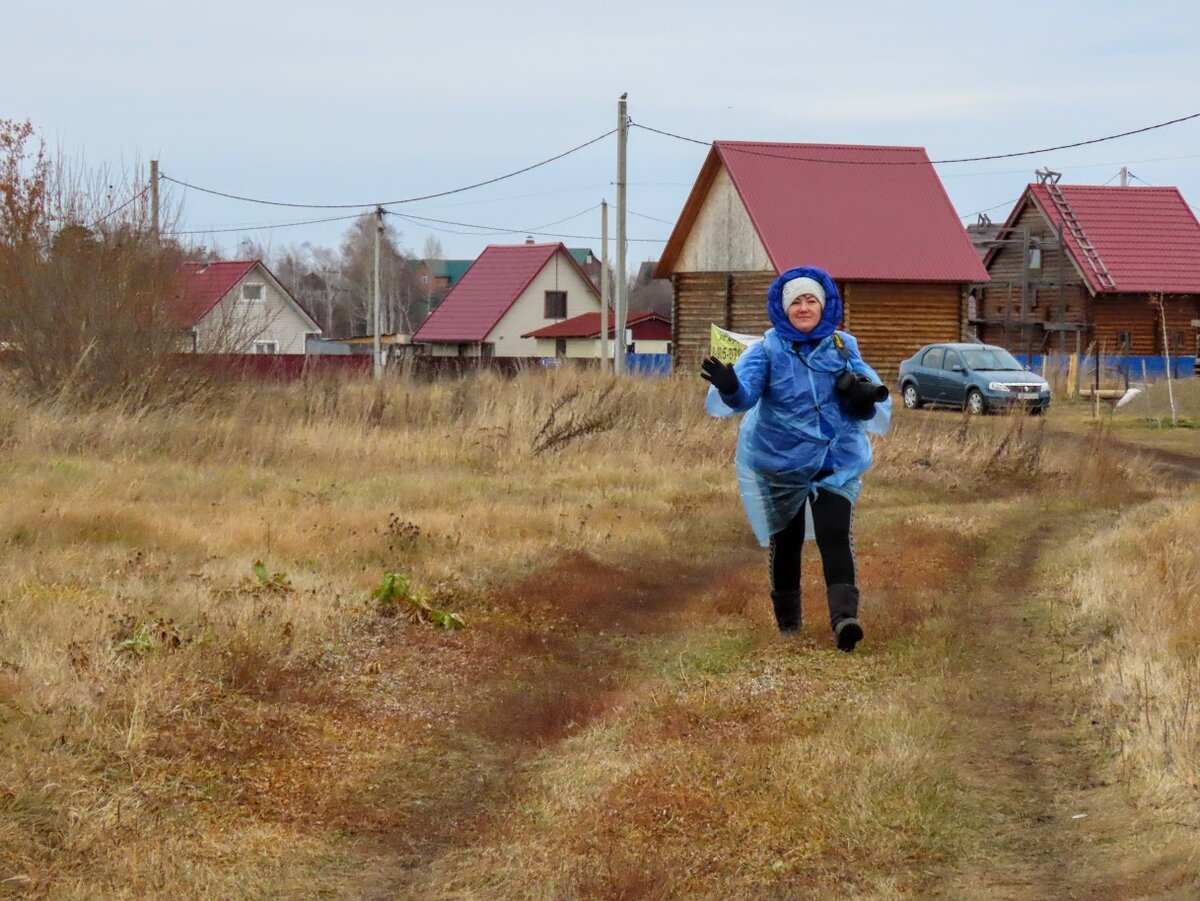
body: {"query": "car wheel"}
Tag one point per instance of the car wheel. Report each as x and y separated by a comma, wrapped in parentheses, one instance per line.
(912, 400)
(1036, 410)
(975, 404)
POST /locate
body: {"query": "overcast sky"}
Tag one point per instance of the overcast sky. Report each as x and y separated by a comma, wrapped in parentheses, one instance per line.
(362, 101)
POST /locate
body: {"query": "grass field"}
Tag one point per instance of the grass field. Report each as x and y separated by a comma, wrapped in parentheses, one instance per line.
(200, 695)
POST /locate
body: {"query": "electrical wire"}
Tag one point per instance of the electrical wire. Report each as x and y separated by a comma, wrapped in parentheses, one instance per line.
(138, 196)
(264, 227)
(434, 224)
(507, 197)
(989, 209)
(496, 230)
(346, 206)
(965, 159)
(651, 218)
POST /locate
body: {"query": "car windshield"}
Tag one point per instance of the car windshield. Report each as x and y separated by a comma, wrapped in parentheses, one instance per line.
(991, 358)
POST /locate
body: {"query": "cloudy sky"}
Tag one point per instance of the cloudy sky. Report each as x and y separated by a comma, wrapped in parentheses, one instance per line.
(361, 101)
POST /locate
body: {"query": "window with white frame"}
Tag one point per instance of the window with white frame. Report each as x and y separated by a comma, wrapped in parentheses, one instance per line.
(253, 292)
(266, 347)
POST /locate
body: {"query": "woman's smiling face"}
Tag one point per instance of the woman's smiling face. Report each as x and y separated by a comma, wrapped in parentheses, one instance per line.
(804, 313)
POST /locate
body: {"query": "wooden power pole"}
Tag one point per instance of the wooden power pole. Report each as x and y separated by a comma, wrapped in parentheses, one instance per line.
(622, 281)
(154, 201)
(605, 288)
(377, 362)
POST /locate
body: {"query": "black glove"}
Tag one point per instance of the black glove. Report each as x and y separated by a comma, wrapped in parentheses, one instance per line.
(722, 376)
(860, 394)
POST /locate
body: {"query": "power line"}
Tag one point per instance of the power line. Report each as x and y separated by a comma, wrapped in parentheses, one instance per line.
(486, 229)
(346, 206)
(138, 196)
(989, 209)
(264, 227)
(426, 220)
(965, 159)
(651, 218)
(507, 197)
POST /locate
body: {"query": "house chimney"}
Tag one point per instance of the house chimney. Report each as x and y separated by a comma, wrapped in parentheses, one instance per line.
(529, 239)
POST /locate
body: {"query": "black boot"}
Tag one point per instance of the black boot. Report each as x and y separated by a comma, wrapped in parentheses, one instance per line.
(787, 611)
(843, 613)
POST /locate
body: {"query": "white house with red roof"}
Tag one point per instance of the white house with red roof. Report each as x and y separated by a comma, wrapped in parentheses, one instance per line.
(877, 219)
(510, 291)
(1077, 265)
(579, 337)
(238, 306)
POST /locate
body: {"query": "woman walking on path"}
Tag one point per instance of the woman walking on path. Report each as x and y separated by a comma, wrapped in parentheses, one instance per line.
(803, 444)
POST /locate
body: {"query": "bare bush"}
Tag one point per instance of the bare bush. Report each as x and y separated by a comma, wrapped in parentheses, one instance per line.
(85, 285)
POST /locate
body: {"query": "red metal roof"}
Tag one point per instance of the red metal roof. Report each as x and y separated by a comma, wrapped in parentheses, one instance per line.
(1147, 238)
(198, 287)
(866, 213)
(587, 325)
(488, 290)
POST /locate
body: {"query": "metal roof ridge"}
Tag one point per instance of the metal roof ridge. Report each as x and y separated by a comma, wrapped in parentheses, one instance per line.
(727, 143)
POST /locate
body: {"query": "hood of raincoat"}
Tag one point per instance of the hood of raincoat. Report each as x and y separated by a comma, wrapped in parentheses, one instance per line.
(830, 316)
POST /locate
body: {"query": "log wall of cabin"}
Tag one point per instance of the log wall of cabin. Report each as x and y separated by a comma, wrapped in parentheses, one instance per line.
(891, 320)
(1137, 315)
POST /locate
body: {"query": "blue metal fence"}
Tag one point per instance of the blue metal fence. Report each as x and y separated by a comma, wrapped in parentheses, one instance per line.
(1131, 367)
(649, 364)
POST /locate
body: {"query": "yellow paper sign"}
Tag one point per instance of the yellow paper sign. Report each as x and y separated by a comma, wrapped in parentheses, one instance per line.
(728, 346)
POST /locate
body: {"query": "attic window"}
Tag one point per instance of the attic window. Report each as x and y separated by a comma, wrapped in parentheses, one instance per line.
(1035, 257)
(252, 292)
(556, 305)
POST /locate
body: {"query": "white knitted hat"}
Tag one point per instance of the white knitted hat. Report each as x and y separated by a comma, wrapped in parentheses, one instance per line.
(798, 287)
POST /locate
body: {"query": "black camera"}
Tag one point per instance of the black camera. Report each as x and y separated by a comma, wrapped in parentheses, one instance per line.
(861, 394)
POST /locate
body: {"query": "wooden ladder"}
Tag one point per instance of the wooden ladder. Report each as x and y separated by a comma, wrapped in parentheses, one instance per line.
(1089, 252)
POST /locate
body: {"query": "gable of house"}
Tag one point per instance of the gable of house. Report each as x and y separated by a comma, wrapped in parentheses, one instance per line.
(1141, 240)
(861, 213)
(240, 307)
(502, 296)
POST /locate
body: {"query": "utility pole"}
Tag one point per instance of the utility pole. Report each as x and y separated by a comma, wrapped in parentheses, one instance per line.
(154, 200)
(1124, 176)
(1162, 317)
(622, 281)
(377, 362)
(604, 286)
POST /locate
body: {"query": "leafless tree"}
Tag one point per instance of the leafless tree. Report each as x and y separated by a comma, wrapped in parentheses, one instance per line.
(85, 286)
(400, 296)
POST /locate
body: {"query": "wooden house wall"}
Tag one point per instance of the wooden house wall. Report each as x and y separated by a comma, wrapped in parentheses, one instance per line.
(732, 300)
(889, 319)
(1138, 315)
(1004, 295)
(892, 320)
(1182, 310)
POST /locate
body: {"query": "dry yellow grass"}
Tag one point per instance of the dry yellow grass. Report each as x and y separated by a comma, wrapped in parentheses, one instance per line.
(617, 718)
(1138, 592)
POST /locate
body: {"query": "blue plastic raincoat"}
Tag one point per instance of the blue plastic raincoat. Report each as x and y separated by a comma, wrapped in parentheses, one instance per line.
(798, 437)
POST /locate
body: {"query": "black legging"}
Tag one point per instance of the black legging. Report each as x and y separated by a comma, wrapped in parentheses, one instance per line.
(832, 515)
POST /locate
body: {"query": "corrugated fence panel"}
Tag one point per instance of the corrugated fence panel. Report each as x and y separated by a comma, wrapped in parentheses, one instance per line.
(891, 320)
